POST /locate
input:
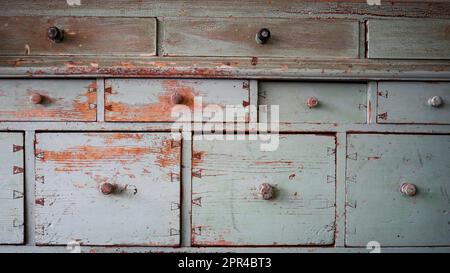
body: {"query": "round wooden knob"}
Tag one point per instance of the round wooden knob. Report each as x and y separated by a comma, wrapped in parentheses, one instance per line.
(312, 102)
(435, 101)
(176, 98)
(408, 189)
(267, 191)
(36, 98)
(262, 36)
(55, 34)
(107, 188)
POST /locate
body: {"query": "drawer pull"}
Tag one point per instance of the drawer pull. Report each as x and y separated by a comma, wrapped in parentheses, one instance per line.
(177, 98)
(262, 36)
(312, 102)
(267, 191)
(435, 101)
(108, 188)
(36, 98)
(408, 189)
(55, 34)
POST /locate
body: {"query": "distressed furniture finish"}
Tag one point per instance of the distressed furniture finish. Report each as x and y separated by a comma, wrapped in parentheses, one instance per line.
(28, 35)
(313, 102)
(11, 188)
(305, 38)
(377, 167)
(227, 206)
(152, 100)
(107, 189)
(409, 39)
(48, 100)
(414, 102)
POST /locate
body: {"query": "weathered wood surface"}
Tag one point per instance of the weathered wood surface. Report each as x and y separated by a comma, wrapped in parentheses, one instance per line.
(70, 168)
(377, 165)
(407, 102)
(409, 39)
(227, 209)
(11, 188)
(306, 38)
(63, 100)
(220, 8)
(224, 67)
(338, 102)
(149, 100)
(27, 35)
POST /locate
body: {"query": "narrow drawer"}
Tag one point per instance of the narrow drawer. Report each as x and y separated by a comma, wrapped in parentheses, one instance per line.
(308, 38)
(152, 100)
(243, 196)
(29, 35)
(397, 190)
(307, 102)
(414, 102)
(107, 189)
(409, 39)
(48, 100)
(11, 189)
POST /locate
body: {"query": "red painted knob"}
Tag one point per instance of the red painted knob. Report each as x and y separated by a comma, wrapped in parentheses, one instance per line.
(36, 98)
(408, 189)
(176, 98)
(312, 102)
(107, 188)
(267, 191)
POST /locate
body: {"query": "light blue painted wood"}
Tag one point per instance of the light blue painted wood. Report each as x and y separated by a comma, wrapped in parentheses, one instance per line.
(377, 165)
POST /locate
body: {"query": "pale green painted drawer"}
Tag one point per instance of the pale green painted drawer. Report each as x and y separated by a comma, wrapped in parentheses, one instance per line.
(376, 210)
(337, 102)
(414, 102)
(228, 208)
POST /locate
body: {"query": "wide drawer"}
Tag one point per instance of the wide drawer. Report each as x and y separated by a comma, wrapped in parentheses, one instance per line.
(409, 39)
(107, 189)
(48, 100)
(414, 102)
(152, 100)
(242, 195)
(11, 189)
(397, 190)
(28, 35)
(310, 102)
(308, 38)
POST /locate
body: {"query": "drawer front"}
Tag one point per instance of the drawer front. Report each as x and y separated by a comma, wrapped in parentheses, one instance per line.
(377, 167)
(107, 189)
(409, 39)
(336, 102)
(28, 35)
(48, 100)
(11, 189)
(152, 100)
(309, 38)
(228, 208)
(414, 102)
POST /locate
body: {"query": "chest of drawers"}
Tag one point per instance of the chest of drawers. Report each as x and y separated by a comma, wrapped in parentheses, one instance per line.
(161, 128)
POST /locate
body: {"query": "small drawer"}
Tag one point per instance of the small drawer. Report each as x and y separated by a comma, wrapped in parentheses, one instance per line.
(48, 100)
(42, 35)
(308, 102)
(152, 100)
(243, 196)
(414, 102)
(398, 190)
(262, 37)
(11, 188)
(107, 189)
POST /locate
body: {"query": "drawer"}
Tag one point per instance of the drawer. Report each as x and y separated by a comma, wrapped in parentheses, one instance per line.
(414, 102)
(11, 189)
(409, 39)
(152, 100)
(377, 210)
(243, 196)
(308, 38)
(48, 100)
(107, 189)
(313, 102)
(30, 35)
